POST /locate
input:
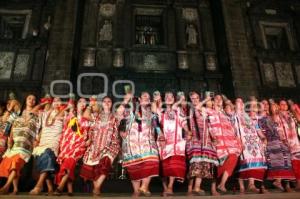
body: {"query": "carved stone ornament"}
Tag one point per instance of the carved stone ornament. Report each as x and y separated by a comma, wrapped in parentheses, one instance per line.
(284, 74)
(269, 72)
(6, 63)
(21, 67)
(89, 55)
(211, 62)
(182, 60)
(107, 10)
(189, 14)
(118, 57)
(150, 61)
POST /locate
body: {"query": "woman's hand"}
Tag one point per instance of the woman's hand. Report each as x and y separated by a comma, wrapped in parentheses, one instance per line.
(189, 136)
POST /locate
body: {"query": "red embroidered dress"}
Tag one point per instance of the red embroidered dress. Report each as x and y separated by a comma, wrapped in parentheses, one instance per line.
(252, 160)
(72, 143)
(139, 149)
(172, 152)
(200, 149)
(289, 132)
(104, 140)
(223, 134)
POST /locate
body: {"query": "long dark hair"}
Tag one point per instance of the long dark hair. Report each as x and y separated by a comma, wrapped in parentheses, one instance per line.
(24, 102)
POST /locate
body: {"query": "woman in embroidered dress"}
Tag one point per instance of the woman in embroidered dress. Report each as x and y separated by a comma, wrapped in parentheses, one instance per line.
(277, 152)
(20, 145)
(288, 125)
(201, 153)
(295, 114)
(139, 149)
(228, 146)
(103, 145)
(10, 112)
(172, 151)
(46, 150)
(72, 146)
(252, 165)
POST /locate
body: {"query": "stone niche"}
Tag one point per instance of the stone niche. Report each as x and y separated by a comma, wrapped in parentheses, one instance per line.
(149, 26)
(105, 28)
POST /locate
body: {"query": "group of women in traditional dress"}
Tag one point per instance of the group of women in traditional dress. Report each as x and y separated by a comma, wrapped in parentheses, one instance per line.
(201, 139)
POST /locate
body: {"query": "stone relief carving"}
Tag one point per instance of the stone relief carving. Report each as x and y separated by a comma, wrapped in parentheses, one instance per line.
(284, 74)
(21, 67)
(105, 33)
(148, 11)
(150, 62)
(190, 14)
(107, 10)
(269, 72)
(6, 64)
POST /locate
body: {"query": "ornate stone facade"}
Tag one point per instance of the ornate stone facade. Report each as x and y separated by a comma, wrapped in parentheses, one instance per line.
(240, 47)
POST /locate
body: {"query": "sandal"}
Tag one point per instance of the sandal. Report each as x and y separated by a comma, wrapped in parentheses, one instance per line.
(70, 194)
(253, 190)
(96, 193)
(135, 195)
(57, 192)
(278, 186)
(167, 194)
(199, 193)
(35, 191)
(145, 193)
(14, 193)
(221, 191)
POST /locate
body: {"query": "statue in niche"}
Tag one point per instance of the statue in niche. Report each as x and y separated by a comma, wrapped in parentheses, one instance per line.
(105, 33)
(191, 35)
